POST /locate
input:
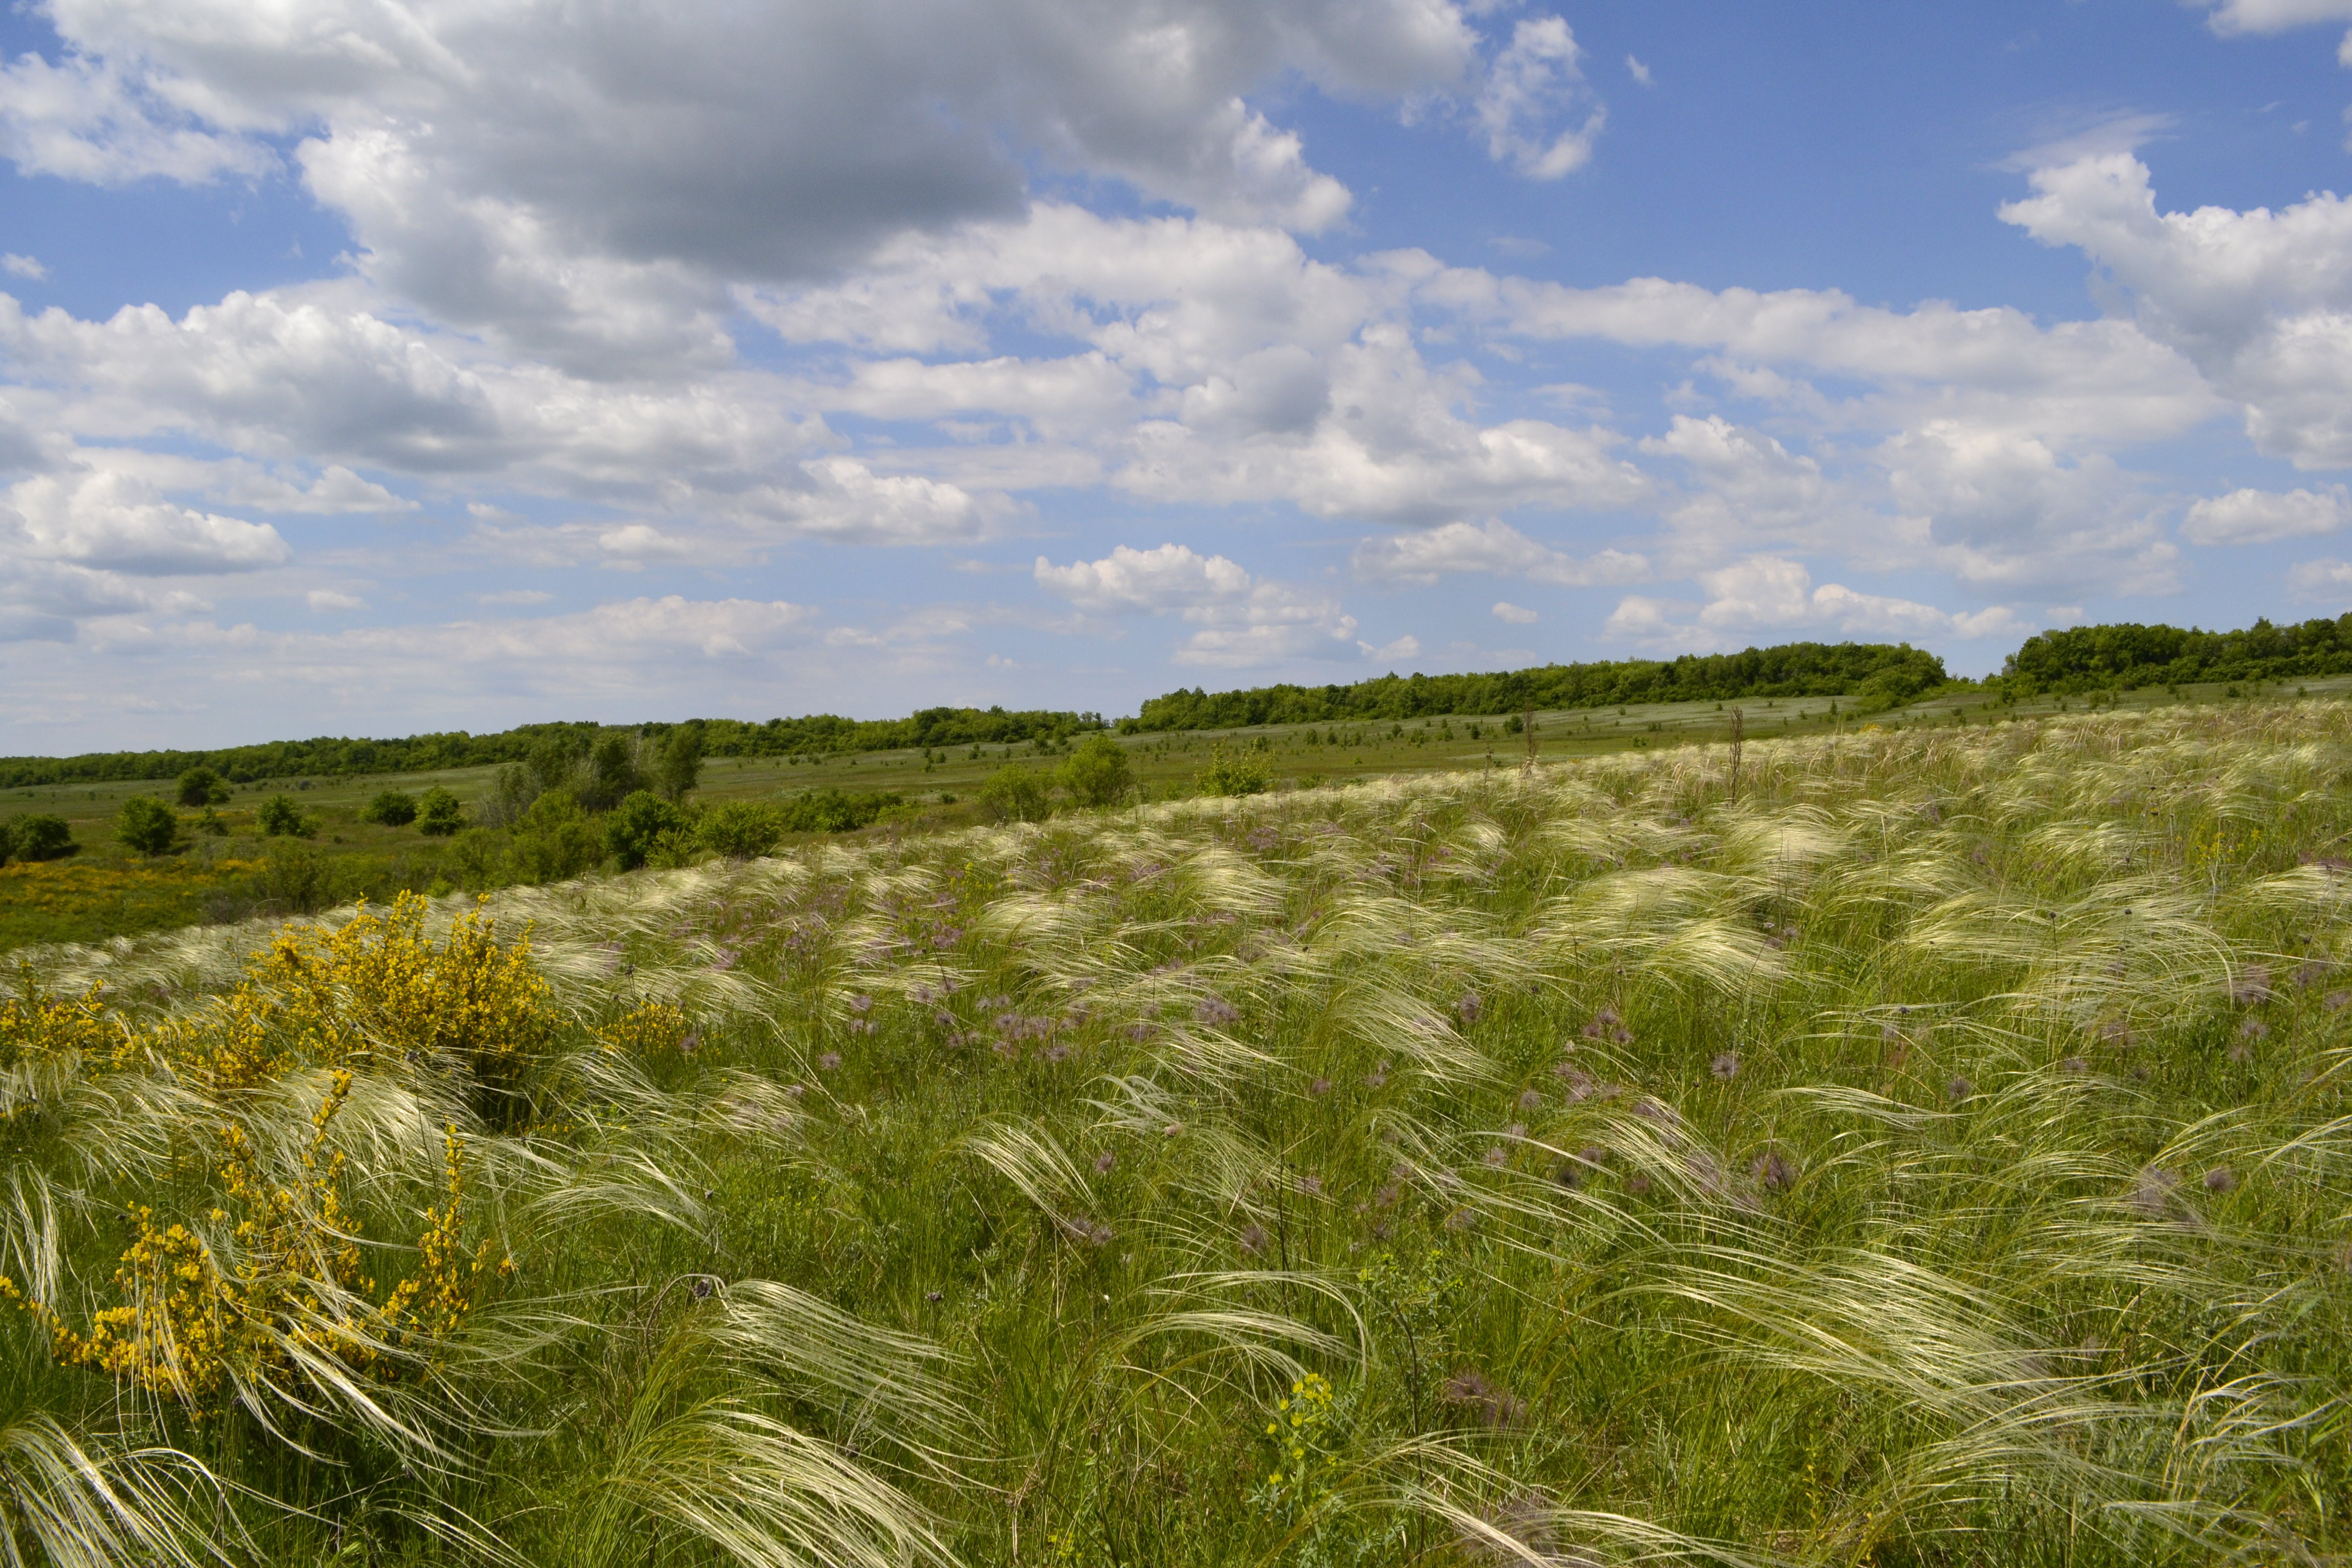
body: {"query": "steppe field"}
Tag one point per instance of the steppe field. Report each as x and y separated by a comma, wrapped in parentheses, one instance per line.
(1916, 1147)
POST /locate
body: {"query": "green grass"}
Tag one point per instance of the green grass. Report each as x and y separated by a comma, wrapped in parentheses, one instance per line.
(1933, 1151)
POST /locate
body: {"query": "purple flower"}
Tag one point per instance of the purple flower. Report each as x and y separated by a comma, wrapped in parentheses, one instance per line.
(829, 1062)
(1216, 1012)
(1105, 1162)
(1726, 1066)
(1468, 1008)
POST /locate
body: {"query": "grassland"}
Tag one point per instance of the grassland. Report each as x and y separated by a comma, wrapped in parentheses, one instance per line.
(1930, 1147)
(105, 890)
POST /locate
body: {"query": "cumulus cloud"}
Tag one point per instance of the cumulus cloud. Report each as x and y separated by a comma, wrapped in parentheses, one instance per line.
(1773, 594)
(17, 266)
(2257, 517)
(1243, 621)
(112, 522)
(1531, 86)
(2260, 301)
(2328, 580)
(1493, 547)
(2230, 17)
(1505, 610)
(328, 599)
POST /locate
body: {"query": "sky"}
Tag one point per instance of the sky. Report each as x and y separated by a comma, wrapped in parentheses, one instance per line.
(380, 366)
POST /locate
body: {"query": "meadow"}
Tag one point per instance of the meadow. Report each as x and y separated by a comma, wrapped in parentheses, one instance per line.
(1913, 1145)
(228, 869)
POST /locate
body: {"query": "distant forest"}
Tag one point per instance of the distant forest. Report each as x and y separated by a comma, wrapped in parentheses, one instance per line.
(1792, 669)
(2083, 659)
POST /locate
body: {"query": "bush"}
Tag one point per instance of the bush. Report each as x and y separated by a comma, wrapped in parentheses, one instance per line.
(511, 793)
(742, 829)
(295, 878)
(8, 841)
(678, 768)
(41, 836)
(280, 817)
(612, 774)
(439, 815)
(835, 811)
(146, 824)
(1017, 793)
(1248, 772)
(1097, 773)
(639, 825)
(202, 786)
(393, 808)
(555, 841)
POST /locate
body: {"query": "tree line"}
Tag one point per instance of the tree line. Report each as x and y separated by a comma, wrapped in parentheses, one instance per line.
(1880, 675)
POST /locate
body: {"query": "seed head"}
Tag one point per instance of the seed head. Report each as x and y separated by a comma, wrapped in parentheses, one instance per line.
(1726, 1066)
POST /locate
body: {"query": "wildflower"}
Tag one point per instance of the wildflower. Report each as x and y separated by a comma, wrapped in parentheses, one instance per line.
(2220, 1179)
(1773, 1170)
(1515, 1129)
(1530, 1100)
(1461, 1219)
(1489, 1400)
(1726, 1066)
(703, 1287)
(1311, 1185)
(1469, 1007)
(1058, 1053)
(2336, 1001)
(1105, 1162)
(2151, 1192)
(1319, 1088)
(2073, 1066)
(935, 1296)
(1216, 1012)
(1497, 1156)
(2253, 1029)
(2252, 986)
(1254, 1239)
(1378, 1078)
(1958, 1090)
(829, 1062)
(1638, 1185)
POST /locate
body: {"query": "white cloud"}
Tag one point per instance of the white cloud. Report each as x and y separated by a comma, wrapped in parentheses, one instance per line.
(1505, 610)
(1493, 547)
(1243, 621)
(327, 599)
(2256, 517)
(1639, 71)
(2230, 17)
(2326, 580)
(1532, 85)
(515, 596)
(81, 119)
(113, 522)
(1773, 594)
(17, 266)
(2261, 301)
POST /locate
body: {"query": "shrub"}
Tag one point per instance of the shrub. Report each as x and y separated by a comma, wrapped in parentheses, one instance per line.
(295, 878)
(393, 808)
(639, 825)
(612, 774)
(678, 768)
(280, 817)
(41, 836)
(1014, 793)
(1248, 772)
(555, 841)
(439, 815)
(835, 811)
(202, 786)
(7, 842)
(1097, 773)
(742, 829)
(146, 824)
(511, 793)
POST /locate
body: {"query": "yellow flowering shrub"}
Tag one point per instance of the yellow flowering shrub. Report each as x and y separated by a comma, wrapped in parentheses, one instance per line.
(646, 1030)
(186, 1322)
(37, 1026)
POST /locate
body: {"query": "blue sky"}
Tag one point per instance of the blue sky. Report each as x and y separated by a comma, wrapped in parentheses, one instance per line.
(369, 366)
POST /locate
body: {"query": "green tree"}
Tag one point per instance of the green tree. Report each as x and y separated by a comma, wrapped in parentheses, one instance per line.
(555, 841)
(280, 817)
(639, 825)
(394, 808)
(146, 824)
(439, 815)
(1098, 773)
(611, 775)
(41, 836)
(202, 786)
(1248, 772)
(1015, 793)
(8, 841)
(742, 829)
(678, 767)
